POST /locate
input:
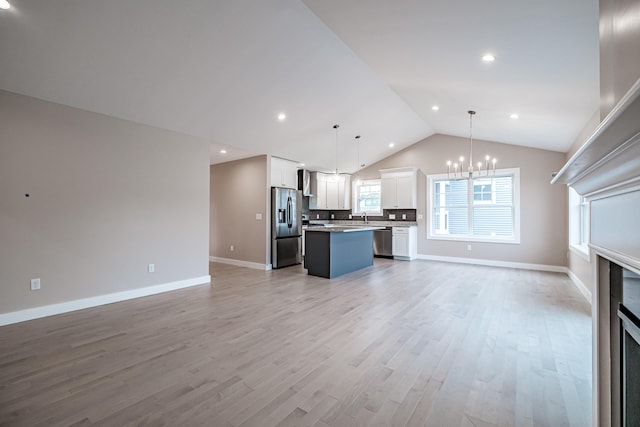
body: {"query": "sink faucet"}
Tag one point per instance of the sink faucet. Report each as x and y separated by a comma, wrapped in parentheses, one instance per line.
(365, 218)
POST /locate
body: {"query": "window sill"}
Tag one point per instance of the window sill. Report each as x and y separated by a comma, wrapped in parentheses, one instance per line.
(474, 239)
(581, 250)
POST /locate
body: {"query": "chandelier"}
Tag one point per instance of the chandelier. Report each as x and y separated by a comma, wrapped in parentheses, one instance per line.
(458, 172)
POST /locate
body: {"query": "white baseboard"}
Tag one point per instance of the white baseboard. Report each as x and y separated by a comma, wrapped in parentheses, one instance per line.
(240, 263)
(492, 263)
(65, 307)
(586, 293)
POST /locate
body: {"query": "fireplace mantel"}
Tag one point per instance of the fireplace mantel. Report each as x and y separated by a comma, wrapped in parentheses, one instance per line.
(606, 169)
(610, 157)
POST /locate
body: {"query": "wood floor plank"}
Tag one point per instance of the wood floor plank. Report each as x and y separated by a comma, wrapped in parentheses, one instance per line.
(416, 343)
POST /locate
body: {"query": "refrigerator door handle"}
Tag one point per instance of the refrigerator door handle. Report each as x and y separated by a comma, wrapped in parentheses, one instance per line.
(289, 209)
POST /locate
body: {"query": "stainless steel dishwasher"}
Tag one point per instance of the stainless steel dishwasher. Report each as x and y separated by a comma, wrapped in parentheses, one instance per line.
(383, 242)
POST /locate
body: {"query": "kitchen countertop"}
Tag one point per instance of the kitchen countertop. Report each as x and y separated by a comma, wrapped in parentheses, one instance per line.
(339, 228)
(362, 223)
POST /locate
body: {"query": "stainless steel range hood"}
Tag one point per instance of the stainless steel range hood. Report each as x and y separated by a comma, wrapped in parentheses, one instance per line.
(306, 182)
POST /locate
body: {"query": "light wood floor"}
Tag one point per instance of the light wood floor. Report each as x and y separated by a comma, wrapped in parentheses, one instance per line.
(401, 343)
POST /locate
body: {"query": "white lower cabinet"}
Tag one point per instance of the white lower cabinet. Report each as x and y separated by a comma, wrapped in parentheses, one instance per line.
(405, 242)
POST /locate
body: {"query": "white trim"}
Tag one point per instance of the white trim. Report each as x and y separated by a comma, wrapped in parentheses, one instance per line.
(515, 239)
(65, 307)
(240, 263)
(586, 293)
(581, 250)
(492, 263)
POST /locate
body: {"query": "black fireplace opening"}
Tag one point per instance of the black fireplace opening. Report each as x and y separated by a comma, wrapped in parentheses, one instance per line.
(629, 346)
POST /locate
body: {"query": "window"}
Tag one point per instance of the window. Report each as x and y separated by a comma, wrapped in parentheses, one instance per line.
(578, 223)
(366, 197)
(480, 209)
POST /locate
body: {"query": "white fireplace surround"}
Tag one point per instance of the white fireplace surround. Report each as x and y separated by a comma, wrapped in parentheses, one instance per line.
(606, 170)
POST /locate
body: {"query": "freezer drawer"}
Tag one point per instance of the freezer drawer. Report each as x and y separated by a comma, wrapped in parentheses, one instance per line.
(286, 251)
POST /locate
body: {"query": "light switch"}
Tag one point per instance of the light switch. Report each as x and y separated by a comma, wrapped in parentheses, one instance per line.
(259, 216)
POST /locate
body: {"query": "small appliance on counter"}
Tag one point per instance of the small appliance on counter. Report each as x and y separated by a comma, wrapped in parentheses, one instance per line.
(286, 227)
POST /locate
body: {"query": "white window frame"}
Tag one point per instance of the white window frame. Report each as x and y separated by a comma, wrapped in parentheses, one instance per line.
(579, 217)
(515, 239)
(356, 193)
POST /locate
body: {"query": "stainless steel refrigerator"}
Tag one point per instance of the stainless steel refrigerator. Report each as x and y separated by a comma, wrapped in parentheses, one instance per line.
(286, 227)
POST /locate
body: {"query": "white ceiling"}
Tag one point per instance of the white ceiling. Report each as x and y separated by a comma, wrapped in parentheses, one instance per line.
(223, 70)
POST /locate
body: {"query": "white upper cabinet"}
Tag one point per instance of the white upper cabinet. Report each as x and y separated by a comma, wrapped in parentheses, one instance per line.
(399, 188)
(331, 192)
(284, 173)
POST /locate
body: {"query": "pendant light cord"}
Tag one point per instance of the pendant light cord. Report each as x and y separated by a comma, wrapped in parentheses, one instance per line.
(336, 126)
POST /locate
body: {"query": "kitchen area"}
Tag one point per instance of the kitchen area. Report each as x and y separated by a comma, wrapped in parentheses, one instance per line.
(332, 227)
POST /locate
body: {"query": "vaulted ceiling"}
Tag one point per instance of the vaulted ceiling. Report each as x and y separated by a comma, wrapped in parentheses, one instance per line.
(224, 70)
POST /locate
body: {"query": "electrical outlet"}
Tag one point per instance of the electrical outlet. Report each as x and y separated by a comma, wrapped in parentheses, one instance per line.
(333, 216)
(152, 268)
(404, 216)
(350, 216)
(259, 216)
(317, 216)
(392, 216)
(35, 284)
(468, 247)
(419, 216)
(231, 248)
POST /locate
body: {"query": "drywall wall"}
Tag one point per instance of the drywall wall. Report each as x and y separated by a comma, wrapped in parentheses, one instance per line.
(238, 193)
(578, 264)
(543, 207)
(107, 197)
(619, 47)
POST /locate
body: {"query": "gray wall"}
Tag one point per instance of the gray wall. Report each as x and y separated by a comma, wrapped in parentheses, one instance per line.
(543, 207)
(238, 193)
(619, 51)
(576, 263)
(107, 197)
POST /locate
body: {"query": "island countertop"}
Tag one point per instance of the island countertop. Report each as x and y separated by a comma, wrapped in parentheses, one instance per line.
(344, 228)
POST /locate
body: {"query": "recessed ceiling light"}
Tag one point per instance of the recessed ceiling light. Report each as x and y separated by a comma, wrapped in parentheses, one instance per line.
(282, 116)
(488, 58)
(223, 151)
(302, 164)
(391, 145)
(4, 4)
(435, 108)
(514, 116)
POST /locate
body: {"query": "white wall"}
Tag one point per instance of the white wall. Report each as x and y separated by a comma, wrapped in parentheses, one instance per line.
(106, 198)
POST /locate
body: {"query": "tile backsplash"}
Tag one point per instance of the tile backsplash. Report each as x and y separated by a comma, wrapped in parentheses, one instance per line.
(344, 215)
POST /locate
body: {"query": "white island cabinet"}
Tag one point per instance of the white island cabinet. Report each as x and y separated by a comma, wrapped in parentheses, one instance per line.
(399, 188)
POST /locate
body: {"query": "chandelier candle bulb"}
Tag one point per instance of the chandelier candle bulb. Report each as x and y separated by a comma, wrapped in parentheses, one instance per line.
(494, 165)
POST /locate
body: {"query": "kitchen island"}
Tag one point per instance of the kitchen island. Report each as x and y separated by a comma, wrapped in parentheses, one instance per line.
(333, 251)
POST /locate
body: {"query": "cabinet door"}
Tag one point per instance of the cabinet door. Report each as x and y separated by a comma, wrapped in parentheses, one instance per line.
(333, 193)
(276, 172)
(388, 192)
(344, 192)
(290, 175)
(321, 197)
(405, 193)
(400, 245)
